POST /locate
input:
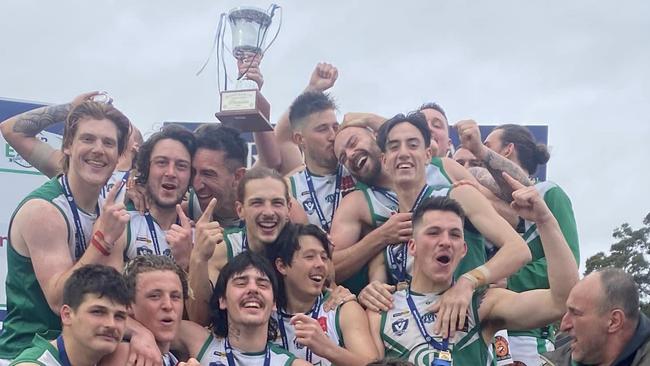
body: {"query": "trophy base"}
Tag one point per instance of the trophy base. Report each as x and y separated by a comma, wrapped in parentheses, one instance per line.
(245, 110)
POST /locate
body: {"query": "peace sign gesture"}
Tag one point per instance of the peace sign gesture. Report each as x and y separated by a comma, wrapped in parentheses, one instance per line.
(113, 218)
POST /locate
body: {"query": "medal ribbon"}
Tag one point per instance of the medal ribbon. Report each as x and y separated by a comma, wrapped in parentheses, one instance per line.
(398, 267)
(80, 237)
(314, 198)
(283, 332)
(231, 358)
(440, 347)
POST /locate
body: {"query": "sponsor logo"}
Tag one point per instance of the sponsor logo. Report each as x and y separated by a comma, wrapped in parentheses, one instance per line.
(330, 198)
(143, 239)
(401, 313)
(428, 317)
(399, 326)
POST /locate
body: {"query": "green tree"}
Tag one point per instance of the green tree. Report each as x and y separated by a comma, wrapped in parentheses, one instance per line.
(629, 253)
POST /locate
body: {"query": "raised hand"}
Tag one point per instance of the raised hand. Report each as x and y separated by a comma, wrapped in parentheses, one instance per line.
(310, 334)
(179, 238)
(208, 233)
(84, 98)
(249, 66)
(527, 202)
(136, 193)
(323, 77)
(113, 219)
(470, 137)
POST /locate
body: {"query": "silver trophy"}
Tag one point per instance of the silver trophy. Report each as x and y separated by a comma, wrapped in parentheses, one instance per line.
(243, 106)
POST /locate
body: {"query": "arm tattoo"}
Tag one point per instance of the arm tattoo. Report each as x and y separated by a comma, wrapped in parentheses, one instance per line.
(496, 165)
(485, 179)
(32, 122)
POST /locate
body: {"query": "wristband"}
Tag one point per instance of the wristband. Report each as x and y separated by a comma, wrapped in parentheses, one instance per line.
(100, 247)
(478, 276)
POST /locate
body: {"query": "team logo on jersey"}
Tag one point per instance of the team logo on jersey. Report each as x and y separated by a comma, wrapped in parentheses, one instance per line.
(298, 344)
(502, 348)
(323, 323)
(308, 206)
(167, 252)
(399, 326)
(143, 251)
(217, 363)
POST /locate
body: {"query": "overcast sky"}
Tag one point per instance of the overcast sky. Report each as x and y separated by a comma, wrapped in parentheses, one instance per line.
(581, 67)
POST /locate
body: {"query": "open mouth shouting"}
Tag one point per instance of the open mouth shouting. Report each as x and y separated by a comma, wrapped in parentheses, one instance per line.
(359, 160)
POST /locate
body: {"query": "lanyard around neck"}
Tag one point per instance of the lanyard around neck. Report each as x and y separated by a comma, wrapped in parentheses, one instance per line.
(231, 358)
(283, 332)
(314, 198)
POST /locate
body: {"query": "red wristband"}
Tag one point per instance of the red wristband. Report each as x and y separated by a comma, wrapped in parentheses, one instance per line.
(99, 234)
(100, 247)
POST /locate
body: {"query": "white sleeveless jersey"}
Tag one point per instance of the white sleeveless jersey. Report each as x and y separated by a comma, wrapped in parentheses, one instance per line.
(394, 253)
(115, 178)
(329, 322)
(234, 238)
(402, 338)
(213, 353)
(325, 193)
(139, 240)
(53, 191)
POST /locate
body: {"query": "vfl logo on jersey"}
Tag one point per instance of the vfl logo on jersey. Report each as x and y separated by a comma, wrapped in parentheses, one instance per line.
(308, 206)
(399, 326)
(217, 363)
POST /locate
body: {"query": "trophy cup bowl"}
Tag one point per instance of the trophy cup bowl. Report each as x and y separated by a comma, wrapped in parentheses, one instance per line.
(244, 107)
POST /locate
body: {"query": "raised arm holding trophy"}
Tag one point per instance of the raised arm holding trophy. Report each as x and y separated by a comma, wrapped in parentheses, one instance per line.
(243, 106)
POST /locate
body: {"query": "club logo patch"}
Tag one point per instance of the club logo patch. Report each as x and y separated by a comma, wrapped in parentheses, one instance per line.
(399, 326)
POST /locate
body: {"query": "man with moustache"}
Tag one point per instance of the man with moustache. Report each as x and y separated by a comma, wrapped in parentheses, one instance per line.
(158, 287)
(263, 206)
(240, 311)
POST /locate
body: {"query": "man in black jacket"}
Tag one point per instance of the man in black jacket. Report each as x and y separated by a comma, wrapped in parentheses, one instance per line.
(604, 320)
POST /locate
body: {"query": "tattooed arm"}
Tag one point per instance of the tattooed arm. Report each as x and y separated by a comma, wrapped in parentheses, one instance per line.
(470, 137)
(20, 132)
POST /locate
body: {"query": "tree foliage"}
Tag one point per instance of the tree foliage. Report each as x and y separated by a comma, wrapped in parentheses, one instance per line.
(629, 252)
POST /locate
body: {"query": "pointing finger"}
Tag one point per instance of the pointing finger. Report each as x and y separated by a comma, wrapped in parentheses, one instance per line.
(182, 218)
(515, 184)
(207, 214)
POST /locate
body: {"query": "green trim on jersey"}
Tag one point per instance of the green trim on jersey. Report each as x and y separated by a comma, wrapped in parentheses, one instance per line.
(28, 312)
(205, 346)
(41, 352)
(292, 183)
(226, 237)
(437, 161)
